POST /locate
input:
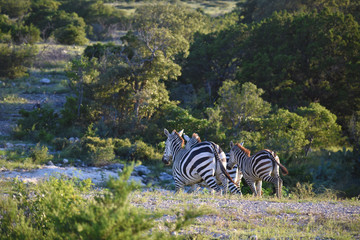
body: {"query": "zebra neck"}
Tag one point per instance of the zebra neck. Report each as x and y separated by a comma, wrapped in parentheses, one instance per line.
(176, 150)
(241, 158)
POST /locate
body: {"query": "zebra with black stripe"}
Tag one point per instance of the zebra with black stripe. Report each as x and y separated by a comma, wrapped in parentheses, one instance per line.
(234, 173)
(262, 166)
(200, 163)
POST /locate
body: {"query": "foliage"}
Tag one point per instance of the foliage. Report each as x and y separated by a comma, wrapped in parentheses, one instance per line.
(70, 28)
(39, 154)
(25, 34)
(41, 15)
(37, 125)
(92, 150)
(240, 105)
(14, 60)
(301, 58)
(70, 35)
(15, 9)
(322, 129)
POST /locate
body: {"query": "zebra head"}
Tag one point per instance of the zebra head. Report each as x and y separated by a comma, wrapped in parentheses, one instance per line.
(173, 143)
(233, 149)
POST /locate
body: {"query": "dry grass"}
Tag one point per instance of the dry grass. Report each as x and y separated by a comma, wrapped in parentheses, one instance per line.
(213, 8)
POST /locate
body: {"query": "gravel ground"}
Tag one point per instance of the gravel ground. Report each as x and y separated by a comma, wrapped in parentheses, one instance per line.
(226, 215)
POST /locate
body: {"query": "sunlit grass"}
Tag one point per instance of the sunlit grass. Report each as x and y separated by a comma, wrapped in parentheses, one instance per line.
(213, 8)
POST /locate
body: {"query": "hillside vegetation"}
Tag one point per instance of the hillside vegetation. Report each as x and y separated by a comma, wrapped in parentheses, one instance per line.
(286, 80)
(280, 75)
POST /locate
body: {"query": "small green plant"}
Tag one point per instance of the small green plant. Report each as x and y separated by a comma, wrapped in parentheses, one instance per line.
(39, 154)
(304, 191)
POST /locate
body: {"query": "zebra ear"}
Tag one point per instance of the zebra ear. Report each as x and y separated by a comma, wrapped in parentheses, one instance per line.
(186, 137)
(181, 132)
(231, 144)
(166, 132)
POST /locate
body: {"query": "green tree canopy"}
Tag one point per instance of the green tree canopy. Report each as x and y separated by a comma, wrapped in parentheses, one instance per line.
(241, 104)
(305, 57)
(322, 129)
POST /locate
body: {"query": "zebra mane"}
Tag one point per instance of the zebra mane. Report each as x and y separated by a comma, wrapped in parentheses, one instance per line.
(245, 150)
(183, 141)
(195, 135)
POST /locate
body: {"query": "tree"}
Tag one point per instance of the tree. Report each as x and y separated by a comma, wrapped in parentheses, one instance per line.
(82, 75)
(42, 12)
(15, 9)
(322, 129)
(284, 131)
(240, 105)
(305, 57)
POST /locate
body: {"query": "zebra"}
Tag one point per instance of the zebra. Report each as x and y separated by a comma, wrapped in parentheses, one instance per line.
(191, 166)
(234, 173)
(262, 166)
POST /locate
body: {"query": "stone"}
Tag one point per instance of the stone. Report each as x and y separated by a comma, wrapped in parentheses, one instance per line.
(137, 179)
(50, 163)
(142, 170)
(115, 166)
(45, 81)
(9, 145)
(165, 177)
(65, 160)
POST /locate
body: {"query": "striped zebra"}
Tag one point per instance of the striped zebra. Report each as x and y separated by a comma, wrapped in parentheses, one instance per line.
(234, 173)
(191, 166)
(262, 166)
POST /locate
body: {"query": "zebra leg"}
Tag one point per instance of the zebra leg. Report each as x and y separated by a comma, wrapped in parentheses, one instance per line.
(252, 186)
(259, 187)
(224, 182)
(234, 189)
(280, 183)
(276, 180)
(211, 182)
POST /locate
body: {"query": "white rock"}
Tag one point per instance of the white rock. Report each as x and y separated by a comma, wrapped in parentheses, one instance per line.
(65, 160)
(9, 145)
(45, 81)
(165, 177)
(142, 170)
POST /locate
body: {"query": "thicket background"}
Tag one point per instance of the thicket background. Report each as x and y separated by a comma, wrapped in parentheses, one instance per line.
(275, 74)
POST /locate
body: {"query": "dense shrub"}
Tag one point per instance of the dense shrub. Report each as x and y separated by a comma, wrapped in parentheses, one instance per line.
(123, 148)
(37, 125)
(93, 150)
(144, 152)
(70, 35)
(99, 50)
(25, 34)
(60, 143)
(97, 151)
(39, 154)
(14, 60)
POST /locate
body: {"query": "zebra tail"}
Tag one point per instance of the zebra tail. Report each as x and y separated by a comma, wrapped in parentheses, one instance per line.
(223, 170)
(282, 167)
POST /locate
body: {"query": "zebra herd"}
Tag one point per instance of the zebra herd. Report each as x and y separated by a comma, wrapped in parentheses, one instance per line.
(198, 162)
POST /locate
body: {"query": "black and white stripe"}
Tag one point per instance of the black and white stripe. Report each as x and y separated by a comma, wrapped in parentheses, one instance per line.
(262, 166)
(201, 162)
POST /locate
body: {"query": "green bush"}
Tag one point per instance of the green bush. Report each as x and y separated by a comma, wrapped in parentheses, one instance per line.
(97, 151)
(25, 34)
(15, 59)
(56, 209)
(37, 125)
(39, 154)
(60, 143)
(70, 35)
(93, 150)
(123, 148)
(144, 152)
